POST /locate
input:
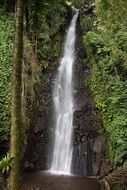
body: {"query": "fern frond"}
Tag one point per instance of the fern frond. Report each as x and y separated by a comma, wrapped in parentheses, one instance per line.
(120, 156)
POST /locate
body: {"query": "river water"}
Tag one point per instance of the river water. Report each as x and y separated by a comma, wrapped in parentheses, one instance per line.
(47, 181)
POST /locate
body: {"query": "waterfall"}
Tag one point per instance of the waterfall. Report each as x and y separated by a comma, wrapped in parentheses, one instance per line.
(64, 105)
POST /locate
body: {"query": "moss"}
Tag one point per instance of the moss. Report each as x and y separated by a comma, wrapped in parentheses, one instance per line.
(6, 50)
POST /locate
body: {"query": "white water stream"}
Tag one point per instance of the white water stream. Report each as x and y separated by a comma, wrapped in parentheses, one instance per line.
(64, 105)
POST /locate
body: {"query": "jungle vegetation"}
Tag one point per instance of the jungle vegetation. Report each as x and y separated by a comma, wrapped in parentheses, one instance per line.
(107, 54)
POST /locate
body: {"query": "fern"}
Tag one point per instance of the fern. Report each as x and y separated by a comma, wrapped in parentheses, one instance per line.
(5, 164)
(125, 165)
(120, 156)
(121, 148)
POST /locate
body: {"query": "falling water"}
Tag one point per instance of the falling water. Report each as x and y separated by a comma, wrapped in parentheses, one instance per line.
(63, 103)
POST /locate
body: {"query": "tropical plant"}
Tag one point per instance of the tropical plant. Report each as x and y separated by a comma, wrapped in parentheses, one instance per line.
(106, 49)
(6, 49)
(5, 164)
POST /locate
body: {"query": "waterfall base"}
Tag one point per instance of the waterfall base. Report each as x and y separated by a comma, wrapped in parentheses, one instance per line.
(59, 173)
(47, 181)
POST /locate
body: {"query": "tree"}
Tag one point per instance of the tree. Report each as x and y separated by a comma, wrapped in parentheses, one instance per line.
(16, 124)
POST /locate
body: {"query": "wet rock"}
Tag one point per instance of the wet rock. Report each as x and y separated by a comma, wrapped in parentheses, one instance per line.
(88, 145)
(39, 148)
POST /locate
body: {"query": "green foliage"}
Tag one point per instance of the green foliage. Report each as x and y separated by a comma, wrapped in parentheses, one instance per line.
(46, 21)
(78, 4)
(106, 52)
(6, 45)
(5, 164)
(125, 165)
(111, 13)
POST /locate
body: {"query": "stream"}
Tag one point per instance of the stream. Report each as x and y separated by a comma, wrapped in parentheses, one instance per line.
(47, 181)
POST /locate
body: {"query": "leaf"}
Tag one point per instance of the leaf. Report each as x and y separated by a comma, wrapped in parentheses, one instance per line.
(125, 165)
(120, 156)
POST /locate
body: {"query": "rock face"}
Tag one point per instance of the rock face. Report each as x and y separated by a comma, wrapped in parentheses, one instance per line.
(40, 139)
(89, 145)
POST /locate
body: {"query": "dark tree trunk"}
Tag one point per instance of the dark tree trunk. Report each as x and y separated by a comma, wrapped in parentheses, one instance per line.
(16, 124)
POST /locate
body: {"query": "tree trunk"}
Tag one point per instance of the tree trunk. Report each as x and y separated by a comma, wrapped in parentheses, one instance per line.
(16, 124)
(5, 4)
